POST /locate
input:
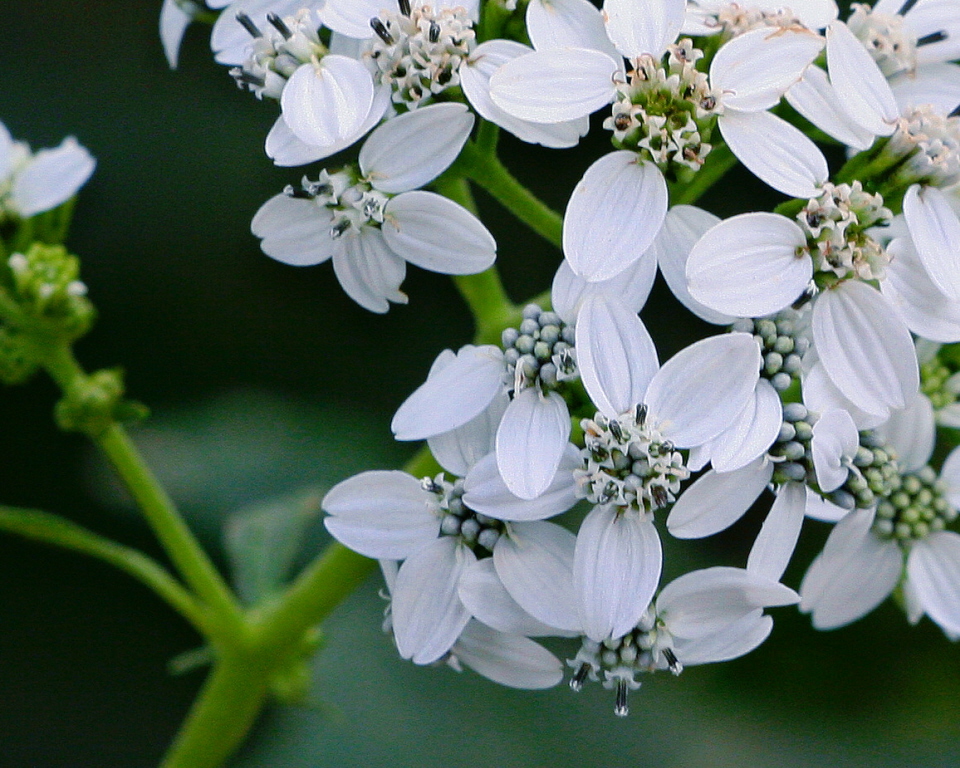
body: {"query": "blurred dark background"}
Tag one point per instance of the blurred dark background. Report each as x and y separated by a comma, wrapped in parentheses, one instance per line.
(262, 379)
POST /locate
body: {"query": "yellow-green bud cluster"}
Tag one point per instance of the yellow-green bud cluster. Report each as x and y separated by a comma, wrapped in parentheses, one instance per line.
(915, 509)
(877, 475)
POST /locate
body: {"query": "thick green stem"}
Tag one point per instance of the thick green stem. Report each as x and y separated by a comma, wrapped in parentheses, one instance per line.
(489, 173)
(60, 532)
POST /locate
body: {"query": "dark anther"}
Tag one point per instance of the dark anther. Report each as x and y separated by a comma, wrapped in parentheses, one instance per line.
(956, 111)
(599, 454)
(707, 103)
(660, 497)
(248, 24)
(292, 191)
(247, 79)
(666, 447)
(405, 7)
(804, 298)
(933, 37)
(641, 414)
(814, 220)
(672, 661)
(430, 486)
(907, 6)
(434, 34)
(339, 228)
(382, 32)
(622, 121)
(278, 25)
(579, 678)
(616, 429)
(620, 709)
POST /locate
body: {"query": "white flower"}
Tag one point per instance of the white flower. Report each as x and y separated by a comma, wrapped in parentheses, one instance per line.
(372, 223)
(710, 17)
(34, 182)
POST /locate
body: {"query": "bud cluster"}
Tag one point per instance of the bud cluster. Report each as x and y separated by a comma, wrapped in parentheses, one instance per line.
(418, 51)
(930, 143)
(836, 225)
(915, 509)
(791, 449)
(46, 286)
(891, 43)
(476, 531)
(875, 474)
(781, 344)
(540, 352)
(665, 110)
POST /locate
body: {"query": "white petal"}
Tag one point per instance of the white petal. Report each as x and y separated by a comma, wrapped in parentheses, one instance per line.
(852, 576)
(834, 444)
(631, 287)
(701, 390)
(173, 23)
(294, 231)
(52, 177)
(865, 347)
(516, 662)
(459, 449)
(935, 230)
(717, 500)
(613, 215)
(934, 572)
(475, 76)
(648, 27)
(912, 432)
(427, 613)
(682, 227)
(535, 564)
(437, 234)
(815, 14)
(748, 265)
(616, 569)
(820, 395)
(862, 88)
(816, 99)
(818, 508)
(531, 441)
(775, 152)
(368, 270)
(351, 17)
(382, 514)
(327, 103)
(922, 306)
(484, 595)
(615, 355)
(937, 84)
(930, 17)
(772, 550)
(453, 396)
(950, 475)
(567, 24)
(486, 492)
(556, 85)
(705, 601)
(731, 642)
(6, 152)
(754, 69)
(411, 150)
(752, 434)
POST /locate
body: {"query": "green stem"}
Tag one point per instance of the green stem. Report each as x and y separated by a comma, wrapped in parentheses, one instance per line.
(719, 161)
(489, 173)
(186, 553)
(57, 531)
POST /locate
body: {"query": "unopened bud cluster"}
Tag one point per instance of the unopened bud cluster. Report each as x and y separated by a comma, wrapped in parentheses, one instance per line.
(734, 19)
(278, 52)
(666, 109)
(836, 225)
(352, 201)
(875, 474)
(628, 463)
(540, 352)
(791, 449)
(477, 531)
(939, 382)
(418, 52)
(914, 510)
(781, 344)
(46, 286)
(891, 43)
(929, 144)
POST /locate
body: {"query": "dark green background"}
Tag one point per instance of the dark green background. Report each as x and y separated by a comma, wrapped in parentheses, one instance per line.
(264, 378)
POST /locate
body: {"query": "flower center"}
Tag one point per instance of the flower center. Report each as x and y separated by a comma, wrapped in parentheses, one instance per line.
(735, 20)
(627, 462)
(931, 143)
(915, 510)
(540, 352)
(890, 42)
(476, 531)
(666, 109)
(353, 202)
(418, 51)
(780, 343)
(277, 53)
(836, 225)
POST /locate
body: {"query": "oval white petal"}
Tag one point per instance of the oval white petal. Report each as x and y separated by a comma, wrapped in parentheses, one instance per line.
(351, 17)
(816, 99)
(294, 231)
(426, 609)
(516, 662)
(834, 444)
(934, 572)
(731, 642)
(865, 347)
(51, 177)
(616, 569)
(556, 85)
(615, 355)
(531, 441)
(613, 215)
(411, 150)
(772, 550)
(368, 270)
(631, 287)
(749, 265)
(922, 306)
(936, 83)
(935, 230)
(701, 390)
(754, 431)
(820, 395)
(775, 152)
(912, 432)
(819, 508)
(717, 500)
(484, 595)
(648, 27)
(860, 84)
(452, 396)
(435, 233)
(459, 449)
(567, 24)
(173, 24)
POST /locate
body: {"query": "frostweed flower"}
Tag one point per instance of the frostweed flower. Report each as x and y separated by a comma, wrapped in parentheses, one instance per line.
(713, 17)
(370, 221)
(34, 182)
